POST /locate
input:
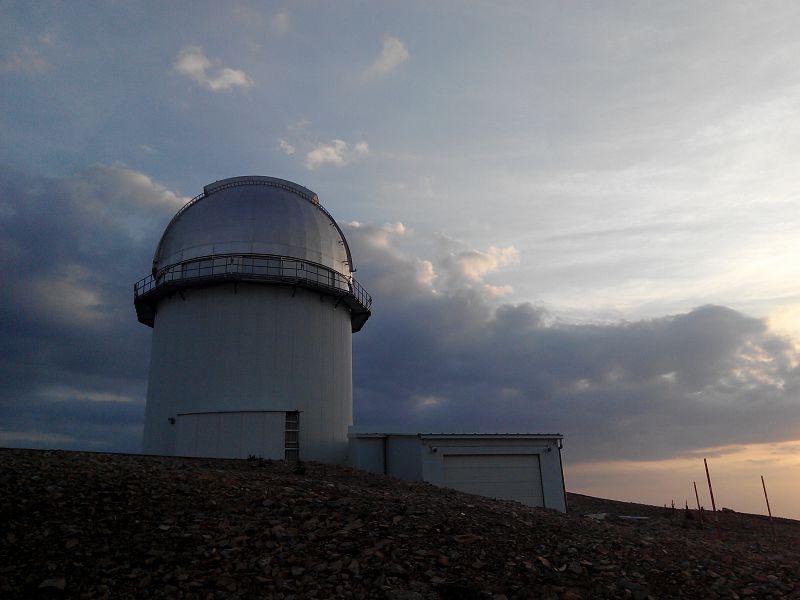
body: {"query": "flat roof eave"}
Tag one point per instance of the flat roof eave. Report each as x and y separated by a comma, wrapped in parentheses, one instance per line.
(451, 436)
(491, 436)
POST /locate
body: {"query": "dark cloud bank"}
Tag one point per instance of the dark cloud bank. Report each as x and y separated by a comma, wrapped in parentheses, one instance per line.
(74, 360)
(441, 353)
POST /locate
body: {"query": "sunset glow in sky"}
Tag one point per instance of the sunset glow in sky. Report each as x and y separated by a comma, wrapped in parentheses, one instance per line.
(573, 218)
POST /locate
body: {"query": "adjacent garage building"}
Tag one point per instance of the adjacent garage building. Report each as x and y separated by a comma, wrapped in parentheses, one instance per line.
(522, 467)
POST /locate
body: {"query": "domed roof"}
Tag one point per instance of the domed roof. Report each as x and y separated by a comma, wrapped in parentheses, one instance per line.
(254, 215)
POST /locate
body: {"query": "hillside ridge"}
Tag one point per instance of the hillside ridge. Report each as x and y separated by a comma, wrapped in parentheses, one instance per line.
(86, 525)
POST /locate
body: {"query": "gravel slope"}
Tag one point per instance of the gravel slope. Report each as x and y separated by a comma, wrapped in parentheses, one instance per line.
(82, 525)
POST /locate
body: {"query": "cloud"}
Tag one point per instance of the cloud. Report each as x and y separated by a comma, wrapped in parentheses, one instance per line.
(443, 351)
(389, 270)
(67, 296)
(259, 21)
(286, 147)
(423, 402)
(280, 22)
(497, 291)
(378, 236)
(338, 153)
(73, 365)
(26, 60)
(195, 65)
(35, 438)
(393, 53)
(47, 38)
(474, 264)
(644, 389)
(735, 469)
(70, 393)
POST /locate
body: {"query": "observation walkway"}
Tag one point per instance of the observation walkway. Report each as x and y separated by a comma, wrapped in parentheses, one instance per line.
(250, 268)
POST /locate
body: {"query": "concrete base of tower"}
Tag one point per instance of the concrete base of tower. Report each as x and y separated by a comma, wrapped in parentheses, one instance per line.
(250, 369)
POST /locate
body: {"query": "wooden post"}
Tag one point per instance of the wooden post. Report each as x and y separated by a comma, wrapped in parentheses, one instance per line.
(769, 511)
(697, 497)
(713, 504)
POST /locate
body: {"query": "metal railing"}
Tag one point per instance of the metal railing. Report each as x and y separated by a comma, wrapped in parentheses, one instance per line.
(253, 267)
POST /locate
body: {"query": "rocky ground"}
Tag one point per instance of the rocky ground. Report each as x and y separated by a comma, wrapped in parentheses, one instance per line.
(81, 525)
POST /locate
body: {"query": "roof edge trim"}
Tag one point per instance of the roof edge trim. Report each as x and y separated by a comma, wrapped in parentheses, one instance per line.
(222, 184)
(453, 436)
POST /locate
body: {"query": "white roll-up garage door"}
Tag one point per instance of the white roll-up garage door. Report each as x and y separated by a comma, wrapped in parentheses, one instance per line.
(507, 476)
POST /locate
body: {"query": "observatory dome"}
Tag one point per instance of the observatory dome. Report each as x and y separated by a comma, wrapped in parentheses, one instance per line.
(254, 216)
(254, 230)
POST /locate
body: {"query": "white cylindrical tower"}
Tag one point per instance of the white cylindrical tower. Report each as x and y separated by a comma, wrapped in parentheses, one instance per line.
(253, 306)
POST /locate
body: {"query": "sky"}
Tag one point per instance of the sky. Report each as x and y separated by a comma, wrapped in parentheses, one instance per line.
(573, 217)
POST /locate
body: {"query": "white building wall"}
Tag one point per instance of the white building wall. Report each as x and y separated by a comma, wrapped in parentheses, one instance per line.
(422, 458)
(252, 347)
(397, 455)
(403, 457)
(231, 435)
(367, 453)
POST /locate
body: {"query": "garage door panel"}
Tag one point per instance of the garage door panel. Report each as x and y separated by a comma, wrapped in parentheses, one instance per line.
(494, 475)
(506, 476)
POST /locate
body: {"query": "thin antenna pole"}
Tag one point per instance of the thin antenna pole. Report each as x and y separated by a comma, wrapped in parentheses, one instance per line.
(713, 504)
(769, 511)
(697, 497)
